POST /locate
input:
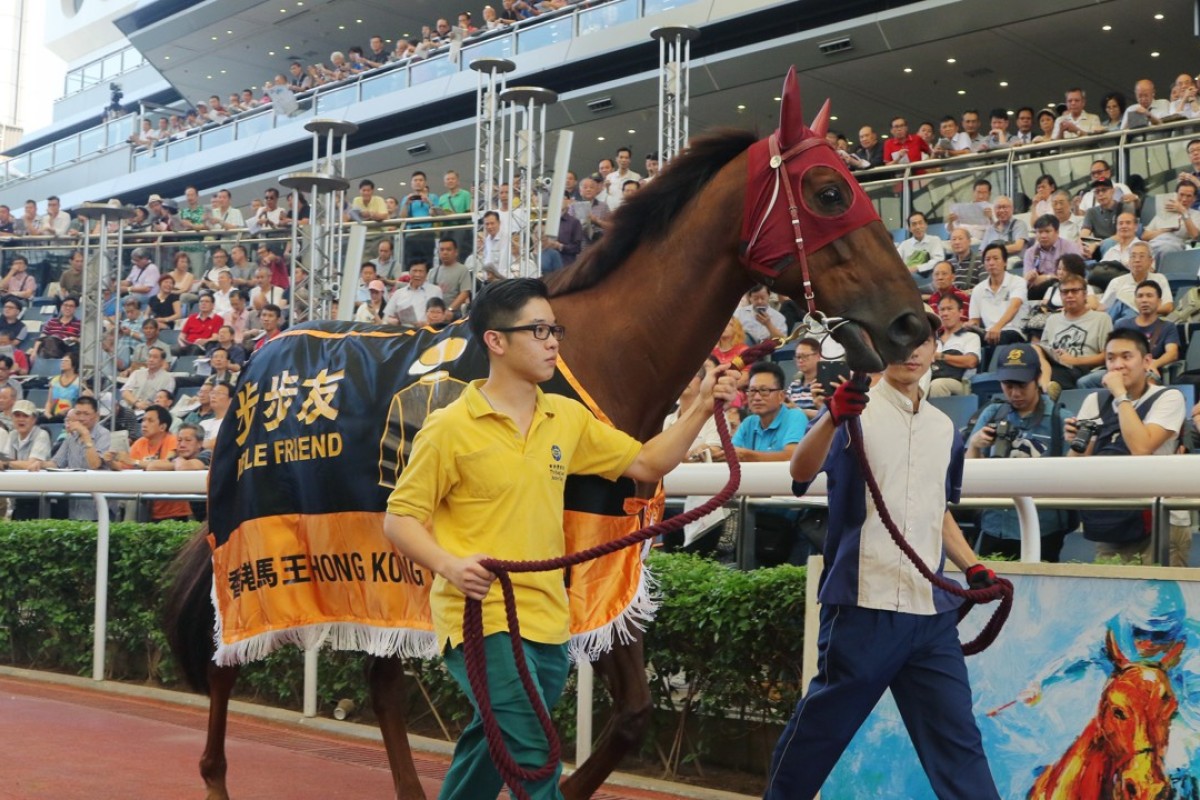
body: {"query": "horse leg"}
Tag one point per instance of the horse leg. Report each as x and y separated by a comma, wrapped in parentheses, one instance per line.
(623, 670)
(387, 697)
(213, 763)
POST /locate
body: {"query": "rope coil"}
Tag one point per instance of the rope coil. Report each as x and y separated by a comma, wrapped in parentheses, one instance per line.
(514, 774)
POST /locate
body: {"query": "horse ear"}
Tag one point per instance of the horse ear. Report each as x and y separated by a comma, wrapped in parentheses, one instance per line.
(820, 125)
(1114, 651)
(791, 115)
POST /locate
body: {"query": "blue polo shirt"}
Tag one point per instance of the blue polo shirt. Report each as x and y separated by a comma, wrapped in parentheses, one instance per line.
(788, 427)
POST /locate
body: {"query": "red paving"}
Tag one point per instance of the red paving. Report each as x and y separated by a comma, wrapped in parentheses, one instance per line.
(63, 743)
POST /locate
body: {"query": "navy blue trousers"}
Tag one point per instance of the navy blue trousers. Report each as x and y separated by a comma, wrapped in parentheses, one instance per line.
(862, 652)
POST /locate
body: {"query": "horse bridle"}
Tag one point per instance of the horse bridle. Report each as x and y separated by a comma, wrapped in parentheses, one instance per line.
(815, 320)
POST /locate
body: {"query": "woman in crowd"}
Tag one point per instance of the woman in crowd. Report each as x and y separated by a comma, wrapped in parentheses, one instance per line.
(64, 389)
(184, 279)
(165, 306)
(1045, 121)
(1114, 109)
(372, 310)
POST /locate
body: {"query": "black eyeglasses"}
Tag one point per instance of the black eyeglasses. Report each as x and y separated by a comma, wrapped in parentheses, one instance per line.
(762, 390)
(540, 330)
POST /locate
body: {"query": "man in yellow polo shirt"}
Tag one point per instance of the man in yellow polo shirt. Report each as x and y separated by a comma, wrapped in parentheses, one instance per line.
(486, 474)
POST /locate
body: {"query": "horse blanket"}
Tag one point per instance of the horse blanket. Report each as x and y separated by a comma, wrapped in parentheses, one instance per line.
(322, 421)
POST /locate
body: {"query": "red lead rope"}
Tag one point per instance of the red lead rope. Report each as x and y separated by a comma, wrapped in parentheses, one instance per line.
(514, 774)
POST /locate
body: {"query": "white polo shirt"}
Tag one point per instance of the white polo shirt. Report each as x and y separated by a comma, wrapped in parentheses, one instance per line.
(989, 306)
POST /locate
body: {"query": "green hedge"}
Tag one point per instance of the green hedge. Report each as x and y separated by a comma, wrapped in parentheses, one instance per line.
(736, 637)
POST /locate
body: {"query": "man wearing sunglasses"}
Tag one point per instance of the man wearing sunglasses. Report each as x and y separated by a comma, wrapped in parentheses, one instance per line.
(485, 479)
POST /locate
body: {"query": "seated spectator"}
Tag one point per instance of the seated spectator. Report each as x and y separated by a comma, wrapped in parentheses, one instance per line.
(9, 350)
(372, 311)
(943, 286)
(1113, 106)
(271, 318)
(1034, 431)
(799, 392)
(226, 341)
(11, 322)
(1176, 224)
(1005, 229)
(981, 196)
(146, 381)
(1184, 102)
(221, 295)
(1122, 194)
(1148, 110)
(220, 397)
(772, 430)
(165, 305)
(18, 282)
(239, 318)
(156, 449)
(166, 399)
(149, 338)
(65, 388)
(1072, 344)
(200, 329)
(758, 319)
(407, 304)
(961, 258)
(241, 267)
(1100, 221)
(86, 440)
(337, 70)
(1119, 298)
(951, 142)
(26, 442)
(437, 316)
(920, 251)
(569, 242)
(1041, 260)
(60, 335)
(1043, 191)
(8, 398)
(366, 275)
(731, 343)
(200, 408)
(998, 303)
(142, 282)
(185, 281)
(970, 139)
(958, 350)
(271, 217)
(268, 258)
(8, 378)
(1118, 248)
(1052, 300)
(1075, 121)
(1024, 133)
(1069, 223)
(1162, 335)
(223, 370)
(264, 292)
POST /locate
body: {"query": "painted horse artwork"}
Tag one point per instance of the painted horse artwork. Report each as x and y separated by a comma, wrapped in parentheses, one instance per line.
(323, 419)
(1119, 755)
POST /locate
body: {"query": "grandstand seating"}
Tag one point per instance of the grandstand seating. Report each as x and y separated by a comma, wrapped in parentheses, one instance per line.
(958, 408)
(1180, 268)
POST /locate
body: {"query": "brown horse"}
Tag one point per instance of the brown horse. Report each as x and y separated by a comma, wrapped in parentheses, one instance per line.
(1119, 754)
(644, 308)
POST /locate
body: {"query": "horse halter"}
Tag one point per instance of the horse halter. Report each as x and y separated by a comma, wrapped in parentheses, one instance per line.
(767, 251)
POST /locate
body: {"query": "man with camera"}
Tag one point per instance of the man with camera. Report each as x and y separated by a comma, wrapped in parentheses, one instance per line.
(1129, 416)
(1023, 425)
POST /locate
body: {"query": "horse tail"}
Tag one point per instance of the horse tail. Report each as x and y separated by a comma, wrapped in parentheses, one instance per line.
(189, 618)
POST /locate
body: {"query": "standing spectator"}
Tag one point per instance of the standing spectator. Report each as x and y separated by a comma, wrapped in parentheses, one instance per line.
(1162, 335)
(223, 216)
(451, 276)
(616, 180)
(1133, 418)
(1148, 110)
(241, 267)
(268, 258)
(367, 207)
(1032, 431)
(592, 212)
(869, 152)
(71, 280)
(271, 217)
(455, 200)
(1072, 344)
(1113, 105)
(1075, 121)
(419, 204)
(192, 218)
(570, 237)
(221, 302)
(1183, 97)
(1024, 133)
(920, 251)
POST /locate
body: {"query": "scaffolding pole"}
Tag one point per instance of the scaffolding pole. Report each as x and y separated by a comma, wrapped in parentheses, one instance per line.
(674, 88)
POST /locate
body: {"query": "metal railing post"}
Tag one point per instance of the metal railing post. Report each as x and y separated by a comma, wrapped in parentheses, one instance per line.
(100, 618)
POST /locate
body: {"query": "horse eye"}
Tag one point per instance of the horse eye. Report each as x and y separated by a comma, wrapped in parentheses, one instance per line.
(830, 196)
(1119, 713)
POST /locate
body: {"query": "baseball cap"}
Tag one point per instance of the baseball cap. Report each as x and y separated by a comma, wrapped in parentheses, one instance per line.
(1103, 182)
(25, 407)
(1018, 362)
(376, 286)
(154, 199)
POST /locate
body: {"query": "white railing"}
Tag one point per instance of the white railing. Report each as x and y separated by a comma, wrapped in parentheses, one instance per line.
(1021, 480)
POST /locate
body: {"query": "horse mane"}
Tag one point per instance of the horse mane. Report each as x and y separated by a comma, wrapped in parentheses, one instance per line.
(647, 215)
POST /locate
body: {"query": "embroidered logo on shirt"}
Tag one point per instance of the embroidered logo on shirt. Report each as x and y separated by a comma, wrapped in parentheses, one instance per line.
(556, 452)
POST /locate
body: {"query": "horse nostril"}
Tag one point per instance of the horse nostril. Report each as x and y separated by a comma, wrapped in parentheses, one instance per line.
(908, 329)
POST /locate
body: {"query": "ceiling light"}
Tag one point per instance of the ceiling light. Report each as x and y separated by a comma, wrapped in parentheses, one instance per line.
(599, 138)
(1009, 112)
(777, 99)
(1158, 16)
(166, 58)
(1106, 27)
(908, 69)
(287, 47)
(359, 21)
(229, 33)
(214, 38)
(833, 119)
(883, 136)
(962, 91)
(741, 108)
(209, 77)
(222, 72)
(951, 60)
(270, 52)
(1155, 54)
(341, 27)
(283, 11)
(1004, 83)
(631, 130)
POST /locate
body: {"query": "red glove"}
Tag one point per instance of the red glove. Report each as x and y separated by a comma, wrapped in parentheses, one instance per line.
(980, 576)
(849, 400)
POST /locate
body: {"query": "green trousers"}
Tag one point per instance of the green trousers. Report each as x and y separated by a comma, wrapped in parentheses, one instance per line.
(472, 775)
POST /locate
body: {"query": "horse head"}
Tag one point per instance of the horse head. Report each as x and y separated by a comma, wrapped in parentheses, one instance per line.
(811, 232)
(1135, 722)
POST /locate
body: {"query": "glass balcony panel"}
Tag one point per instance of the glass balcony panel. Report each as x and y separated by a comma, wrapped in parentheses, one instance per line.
(389, 82)
(66, 151)
(546, 34)
(496, 47)
(437, 67)
(91, 141)
(252, 126)
(338, 98)
(216, 137)
(658, 6)
(606, 16)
